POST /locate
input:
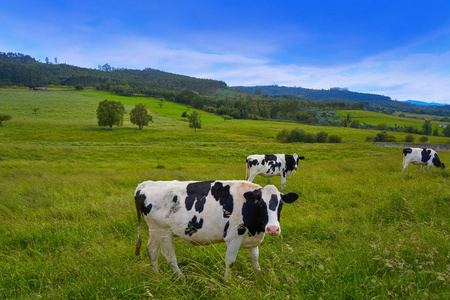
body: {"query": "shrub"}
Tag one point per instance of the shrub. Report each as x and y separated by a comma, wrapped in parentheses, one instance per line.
(310, 138)
(79, 87)
(392, 139)
(381, 136)
(322, 137)
(381, 126)
(334, 138)
(282, 136)
(423, 139)
(409, 138)
(296, 135)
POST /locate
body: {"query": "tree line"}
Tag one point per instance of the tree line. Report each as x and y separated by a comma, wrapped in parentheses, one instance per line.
(21, 70)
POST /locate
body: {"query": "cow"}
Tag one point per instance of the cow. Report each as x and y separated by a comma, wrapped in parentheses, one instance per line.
(236, 212)
(272, 165)
(421, 156)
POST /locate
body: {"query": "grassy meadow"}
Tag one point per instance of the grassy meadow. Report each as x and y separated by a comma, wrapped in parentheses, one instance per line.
(360, 230)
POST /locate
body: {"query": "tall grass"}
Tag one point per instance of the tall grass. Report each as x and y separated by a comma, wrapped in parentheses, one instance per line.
(360, 230)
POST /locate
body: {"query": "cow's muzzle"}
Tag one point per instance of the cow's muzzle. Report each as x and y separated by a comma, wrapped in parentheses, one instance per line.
(273, 230)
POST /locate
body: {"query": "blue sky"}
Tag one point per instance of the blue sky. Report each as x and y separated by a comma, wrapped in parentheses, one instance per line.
(400, 49)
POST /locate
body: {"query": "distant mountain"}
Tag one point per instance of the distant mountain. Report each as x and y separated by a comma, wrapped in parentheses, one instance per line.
(422, 103)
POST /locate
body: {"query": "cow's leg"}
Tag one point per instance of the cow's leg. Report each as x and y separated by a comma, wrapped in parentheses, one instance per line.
(168, 252)
(254, 254)
(283, 182)
(405, 167)
(231, 253)
(251, 177)
(153, 250)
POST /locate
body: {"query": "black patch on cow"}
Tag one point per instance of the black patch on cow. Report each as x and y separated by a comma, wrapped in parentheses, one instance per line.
(197, 191)
(270, 157)
(290, 163)
(437, 161)
(193, 226)
(426, 154)
(272, 163)
(407, 151)
(254, 213)
(273, 203)
(251, 163)
(241, 229)
(139, 200)
(222, 194)
(225, 230)
(280, 206)
(175, 199)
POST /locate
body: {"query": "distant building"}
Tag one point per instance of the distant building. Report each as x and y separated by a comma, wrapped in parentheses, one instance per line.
(442, 126)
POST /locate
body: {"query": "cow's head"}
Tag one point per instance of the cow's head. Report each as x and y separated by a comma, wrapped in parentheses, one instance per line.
(261, 212)
(437, 162)
(296, 159)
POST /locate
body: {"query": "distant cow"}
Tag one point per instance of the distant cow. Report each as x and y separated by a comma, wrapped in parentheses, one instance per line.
(272, 165)
(419, 156)
(238, 213)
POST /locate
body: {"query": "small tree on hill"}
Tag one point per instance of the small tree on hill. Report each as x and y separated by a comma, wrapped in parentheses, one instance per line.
(110, 113)
(195, 120)
(446, 131)
(4, 117)
(139, 116)
(427, 127)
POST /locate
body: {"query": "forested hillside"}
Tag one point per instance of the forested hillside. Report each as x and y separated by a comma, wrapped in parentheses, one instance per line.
(22, 70)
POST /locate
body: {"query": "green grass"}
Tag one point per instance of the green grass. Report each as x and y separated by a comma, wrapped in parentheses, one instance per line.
(360, 230)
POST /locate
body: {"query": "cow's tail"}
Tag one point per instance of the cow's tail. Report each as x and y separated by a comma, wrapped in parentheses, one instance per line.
(139, 240)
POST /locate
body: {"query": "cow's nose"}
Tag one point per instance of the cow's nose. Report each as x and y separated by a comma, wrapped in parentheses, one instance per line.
(296, 167)
(273, 230)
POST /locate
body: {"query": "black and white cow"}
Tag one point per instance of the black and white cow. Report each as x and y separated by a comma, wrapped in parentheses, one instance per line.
(421, 156)
(272, 165)
(238, 213)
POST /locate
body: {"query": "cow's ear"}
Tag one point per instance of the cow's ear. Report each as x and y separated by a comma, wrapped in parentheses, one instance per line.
(289, 198)
(253, 196)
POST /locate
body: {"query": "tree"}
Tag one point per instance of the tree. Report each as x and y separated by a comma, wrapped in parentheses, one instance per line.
(446, 131)
(139, 116)
(427, 127)
(4, 117)
(354, 124)
(195, 120)
(110, 113)
(226, 117)
(79, 87)
(436, 132)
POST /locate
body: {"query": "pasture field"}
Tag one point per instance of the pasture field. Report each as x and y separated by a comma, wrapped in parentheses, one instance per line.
(374, 118)
(360, 230)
